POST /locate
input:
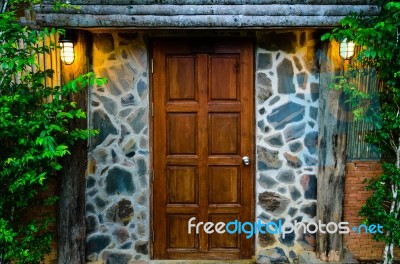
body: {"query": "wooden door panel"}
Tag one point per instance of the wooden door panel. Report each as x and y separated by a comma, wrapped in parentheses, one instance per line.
(224, 182)
(181, 77)
(203, 125)
(182, 133)
(224, 77)
(224, 131)
(183, 185)
(224, 241)
(178, 237)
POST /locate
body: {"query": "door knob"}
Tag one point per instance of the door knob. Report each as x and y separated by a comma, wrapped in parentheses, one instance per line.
(246, 160)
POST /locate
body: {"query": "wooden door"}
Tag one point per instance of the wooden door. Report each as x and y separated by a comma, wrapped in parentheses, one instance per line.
(202, 128)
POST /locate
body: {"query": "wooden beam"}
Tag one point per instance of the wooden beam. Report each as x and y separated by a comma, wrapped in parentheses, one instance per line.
(331, 157)
(184, 21)
(172, 15)
(71, 225)
(215, 2)
(245, 10)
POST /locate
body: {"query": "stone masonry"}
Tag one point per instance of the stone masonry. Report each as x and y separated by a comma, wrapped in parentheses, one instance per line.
(118, 180)
(287, 81)
(118, 194)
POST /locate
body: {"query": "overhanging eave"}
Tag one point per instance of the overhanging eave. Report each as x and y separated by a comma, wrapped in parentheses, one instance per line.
(199, 16)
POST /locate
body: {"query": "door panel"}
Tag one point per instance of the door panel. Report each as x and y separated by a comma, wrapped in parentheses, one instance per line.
(203, 125)
(181, 77)
(224, 241)
(182, 133)
(224, 77)
(223, 134)
(224, 184)
(182, 178)
(178, 237)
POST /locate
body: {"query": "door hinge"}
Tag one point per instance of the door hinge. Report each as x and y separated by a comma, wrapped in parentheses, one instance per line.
(152, 65)
(152, 109)
(152, 175)
(152, 236)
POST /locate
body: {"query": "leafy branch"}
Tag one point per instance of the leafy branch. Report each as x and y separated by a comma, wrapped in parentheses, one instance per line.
(35, 134)
(378, 40)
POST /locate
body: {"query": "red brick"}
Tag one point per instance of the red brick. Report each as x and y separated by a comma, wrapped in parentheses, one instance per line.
(361, 245)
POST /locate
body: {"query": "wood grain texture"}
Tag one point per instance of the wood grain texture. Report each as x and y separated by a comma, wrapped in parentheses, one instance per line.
(200, 134)
(203, 13)
(332, 160)
(71, 226)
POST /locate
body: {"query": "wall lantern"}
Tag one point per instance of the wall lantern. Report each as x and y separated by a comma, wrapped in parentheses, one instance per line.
(67, 49)
(346, 49)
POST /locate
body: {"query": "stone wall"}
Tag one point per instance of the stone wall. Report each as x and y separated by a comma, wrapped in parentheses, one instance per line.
(118, 174)
(287, 80)
(287, 108)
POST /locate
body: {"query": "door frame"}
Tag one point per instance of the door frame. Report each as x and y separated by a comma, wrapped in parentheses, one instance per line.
(151, 127)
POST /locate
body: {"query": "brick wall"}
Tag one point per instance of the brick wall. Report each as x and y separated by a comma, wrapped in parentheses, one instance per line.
(361, 245)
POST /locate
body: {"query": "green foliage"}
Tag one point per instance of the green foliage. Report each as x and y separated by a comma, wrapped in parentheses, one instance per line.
(34, 135)
(377, 208)
(18, 5)
(377, 37)
(58, 5)
(358, 100)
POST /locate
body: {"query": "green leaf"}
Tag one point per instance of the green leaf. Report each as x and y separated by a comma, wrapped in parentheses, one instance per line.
(101, 82)
(373, 54)
(35, 133)
(326, 36)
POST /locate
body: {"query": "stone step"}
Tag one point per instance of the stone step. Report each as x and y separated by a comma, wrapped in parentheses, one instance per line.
(242, 261)
(309, 257)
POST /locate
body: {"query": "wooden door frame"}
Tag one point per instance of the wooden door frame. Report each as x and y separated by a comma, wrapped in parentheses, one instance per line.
(151, 129)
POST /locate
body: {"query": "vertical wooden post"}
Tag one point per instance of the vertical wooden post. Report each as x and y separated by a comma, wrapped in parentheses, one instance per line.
(71, 212)
(332, 156)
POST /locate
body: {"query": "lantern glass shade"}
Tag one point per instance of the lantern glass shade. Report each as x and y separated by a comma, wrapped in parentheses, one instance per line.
(346, 49)
(67, 51)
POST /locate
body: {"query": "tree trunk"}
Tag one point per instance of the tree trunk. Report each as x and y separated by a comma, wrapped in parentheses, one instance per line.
(71, 217)
(332, 158)
(71, 225)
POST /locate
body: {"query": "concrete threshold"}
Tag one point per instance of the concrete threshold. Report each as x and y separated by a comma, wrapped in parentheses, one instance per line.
(309, 257)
